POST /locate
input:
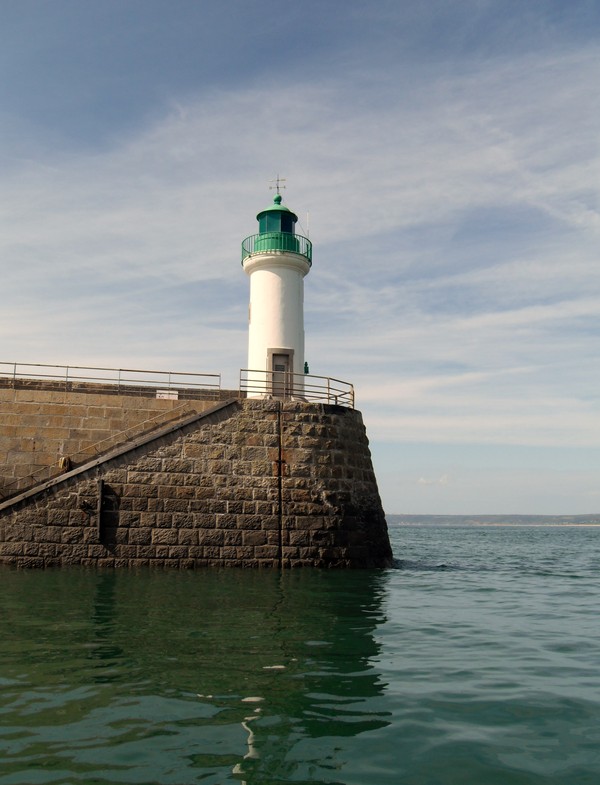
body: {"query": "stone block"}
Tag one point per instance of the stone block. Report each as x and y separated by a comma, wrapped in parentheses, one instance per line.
(58, 517)
(17, 532)
(139, 504)
(177, 465)
(192, 450)
(183, 520)
(217, 506)
(76, 552)
(138, 563)
(141, 536)
(147, 491)
(71, 534)
(106, 562)
(232, 537)
(185, 492)
(249, 522)
(132, 519)
(144, 478)
(166, 479)
(226, 521)
(255, 537)
(235, 507)
(89, 535)
(321, 537)
(211, 537)
(149, 464)
(187, 536)
(164, 537)
(115, 536)
(204, 493)
(219, 467)
(216, 452)
(308, 523)
(78, 518)
(47, 533)
(178, 552)
(204, 520)
(12, 548)
(262, 469)
(195, 478)
(177, 505)
(30, 563)
(122, 562)
(266, 552)
(299, 538)
(265, 508)
(265, 521)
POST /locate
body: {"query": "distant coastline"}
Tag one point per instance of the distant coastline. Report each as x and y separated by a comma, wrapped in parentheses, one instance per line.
(493, 520)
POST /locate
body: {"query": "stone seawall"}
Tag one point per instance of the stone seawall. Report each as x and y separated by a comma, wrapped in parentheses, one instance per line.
(248, 483)
(40, 426)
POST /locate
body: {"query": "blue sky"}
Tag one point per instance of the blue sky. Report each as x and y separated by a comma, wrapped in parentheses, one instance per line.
(444, 155)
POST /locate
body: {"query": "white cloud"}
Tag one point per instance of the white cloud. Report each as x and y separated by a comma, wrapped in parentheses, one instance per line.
(443, 480)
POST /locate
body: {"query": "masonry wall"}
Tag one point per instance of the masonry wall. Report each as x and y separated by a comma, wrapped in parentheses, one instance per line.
(254, 483)
(38, 427)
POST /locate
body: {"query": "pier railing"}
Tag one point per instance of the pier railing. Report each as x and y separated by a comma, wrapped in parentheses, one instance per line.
(174, 385)
(300, 386)
(126, 381)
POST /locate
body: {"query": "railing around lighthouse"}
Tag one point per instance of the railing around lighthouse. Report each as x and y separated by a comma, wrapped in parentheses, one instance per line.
(272, 242)
(299, 386)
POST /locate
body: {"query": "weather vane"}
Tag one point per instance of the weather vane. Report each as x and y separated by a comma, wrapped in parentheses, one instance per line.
(277, 182)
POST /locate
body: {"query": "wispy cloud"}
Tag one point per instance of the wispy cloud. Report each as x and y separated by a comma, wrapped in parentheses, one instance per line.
(455, 217)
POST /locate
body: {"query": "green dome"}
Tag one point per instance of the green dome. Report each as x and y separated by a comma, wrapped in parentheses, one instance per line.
(277, 207)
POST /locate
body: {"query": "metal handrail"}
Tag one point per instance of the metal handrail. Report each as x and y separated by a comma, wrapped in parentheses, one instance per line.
(304, 387)
(68, 376)
(273, 242)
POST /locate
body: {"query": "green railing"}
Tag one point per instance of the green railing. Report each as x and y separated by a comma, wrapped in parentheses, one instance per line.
(277, 241)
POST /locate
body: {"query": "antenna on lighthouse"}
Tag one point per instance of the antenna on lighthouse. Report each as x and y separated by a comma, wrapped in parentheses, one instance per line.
(278, 180)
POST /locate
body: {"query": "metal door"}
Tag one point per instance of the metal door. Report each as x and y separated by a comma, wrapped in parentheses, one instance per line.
(281, 375)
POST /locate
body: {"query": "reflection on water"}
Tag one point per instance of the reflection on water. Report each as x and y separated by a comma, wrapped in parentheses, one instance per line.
(253, 677)
(485, 671)
(103, 648)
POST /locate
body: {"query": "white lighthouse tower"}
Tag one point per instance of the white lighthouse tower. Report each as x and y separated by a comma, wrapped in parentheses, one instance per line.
(276, 259)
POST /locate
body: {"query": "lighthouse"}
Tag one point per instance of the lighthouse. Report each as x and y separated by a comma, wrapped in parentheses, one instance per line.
(277, 260)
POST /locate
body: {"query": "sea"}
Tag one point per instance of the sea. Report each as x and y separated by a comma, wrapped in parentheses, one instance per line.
(474, 661)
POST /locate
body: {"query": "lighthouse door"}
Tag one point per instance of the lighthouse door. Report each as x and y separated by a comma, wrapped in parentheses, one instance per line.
(281, 375)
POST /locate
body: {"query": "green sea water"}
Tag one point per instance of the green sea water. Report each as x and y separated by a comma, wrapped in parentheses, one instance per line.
(476, 661)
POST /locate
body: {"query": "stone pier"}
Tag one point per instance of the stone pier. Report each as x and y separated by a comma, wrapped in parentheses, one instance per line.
(243, 483)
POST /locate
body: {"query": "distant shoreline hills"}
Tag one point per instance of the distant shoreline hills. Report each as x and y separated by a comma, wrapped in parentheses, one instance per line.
(493, 520)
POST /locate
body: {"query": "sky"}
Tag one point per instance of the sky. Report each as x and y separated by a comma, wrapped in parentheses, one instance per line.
(444, 157)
